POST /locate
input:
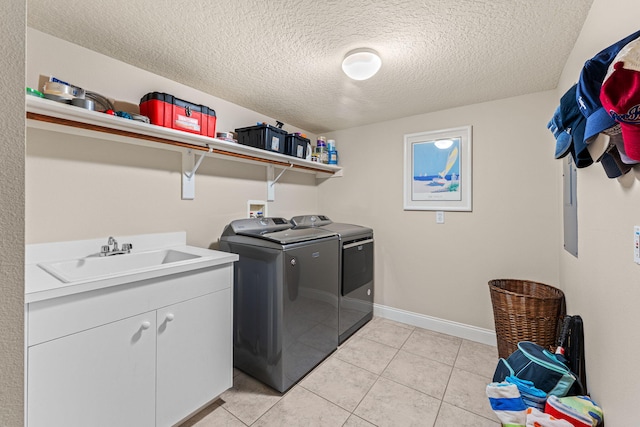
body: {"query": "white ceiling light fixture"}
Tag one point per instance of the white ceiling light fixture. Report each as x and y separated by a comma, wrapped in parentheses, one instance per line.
(361, 64)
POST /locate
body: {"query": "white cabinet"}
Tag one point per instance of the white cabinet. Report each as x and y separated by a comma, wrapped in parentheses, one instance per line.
(147, 353)
(193, 357)
(104, 376)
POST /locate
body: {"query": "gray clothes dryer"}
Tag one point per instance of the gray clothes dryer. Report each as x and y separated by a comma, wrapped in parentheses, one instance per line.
(285, 310)
(356, 271)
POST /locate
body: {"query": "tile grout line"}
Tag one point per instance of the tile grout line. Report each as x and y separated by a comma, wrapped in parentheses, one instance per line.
(377, 342)
(272, 406)
(381, 375)
(234, 416)
(414, 389)
(378, 376)
(380, 340)
(282, 395)
(448, 381)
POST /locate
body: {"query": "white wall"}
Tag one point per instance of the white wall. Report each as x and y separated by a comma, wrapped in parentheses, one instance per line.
(12, 64)
(515, 229)
(79, 188)
(442, 270)
(436, 270)
(603, 283)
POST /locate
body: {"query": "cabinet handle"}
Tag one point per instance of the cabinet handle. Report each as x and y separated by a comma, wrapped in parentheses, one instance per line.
(170, 317)
(146, 324)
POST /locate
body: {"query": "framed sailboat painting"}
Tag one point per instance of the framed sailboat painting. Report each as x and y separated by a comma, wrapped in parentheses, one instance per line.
(437, 170)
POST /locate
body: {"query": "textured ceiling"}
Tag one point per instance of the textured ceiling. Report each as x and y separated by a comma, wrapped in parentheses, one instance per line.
(282, 58)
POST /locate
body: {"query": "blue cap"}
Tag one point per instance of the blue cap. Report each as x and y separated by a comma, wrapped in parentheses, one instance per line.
(579, 149)
(590, 83)
(563, 138)
(568, 126)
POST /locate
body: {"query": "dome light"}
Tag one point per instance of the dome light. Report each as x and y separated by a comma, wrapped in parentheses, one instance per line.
(361, 64)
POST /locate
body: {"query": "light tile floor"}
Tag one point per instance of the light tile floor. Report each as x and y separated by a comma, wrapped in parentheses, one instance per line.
(387, 374)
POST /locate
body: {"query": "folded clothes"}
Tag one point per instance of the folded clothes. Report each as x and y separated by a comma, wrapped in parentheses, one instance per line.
(537, 418)
(581, 411)
(507, 403)
(531, 396)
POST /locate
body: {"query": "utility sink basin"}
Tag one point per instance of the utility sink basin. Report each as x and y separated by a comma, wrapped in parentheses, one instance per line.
(97, 267)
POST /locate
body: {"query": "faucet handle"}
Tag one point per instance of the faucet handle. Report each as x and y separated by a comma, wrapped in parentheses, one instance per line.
(104, 250)
(127, 247)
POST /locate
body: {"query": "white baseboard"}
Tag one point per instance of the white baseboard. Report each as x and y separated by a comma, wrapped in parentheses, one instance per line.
(472, 333)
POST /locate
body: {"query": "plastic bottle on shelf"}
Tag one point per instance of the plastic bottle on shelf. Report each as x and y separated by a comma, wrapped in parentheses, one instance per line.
(332, 153)
(321, 155)
(321, 150)
(309, 151)
(315, 156)
(333, 157)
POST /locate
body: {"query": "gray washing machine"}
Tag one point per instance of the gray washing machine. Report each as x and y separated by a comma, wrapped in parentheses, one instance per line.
(356, 270)
(285, 312)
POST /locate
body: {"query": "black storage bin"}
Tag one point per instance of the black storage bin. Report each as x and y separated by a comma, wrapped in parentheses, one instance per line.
(263, 136)
(296, 146)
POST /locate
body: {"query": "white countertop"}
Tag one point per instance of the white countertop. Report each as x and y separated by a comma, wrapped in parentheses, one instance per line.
(40, 285)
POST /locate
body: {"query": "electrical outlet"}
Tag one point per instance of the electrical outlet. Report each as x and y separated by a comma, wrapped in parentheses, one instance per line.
(439, 217)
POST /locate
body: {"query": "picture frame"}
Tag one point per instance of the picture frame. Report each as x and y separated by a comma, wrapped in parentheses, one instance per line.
(437, 170)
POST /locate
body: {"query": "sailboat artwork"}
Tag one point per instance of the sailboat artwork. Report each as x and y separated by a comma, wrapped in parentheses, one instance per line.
(436, 170)
(442, 180)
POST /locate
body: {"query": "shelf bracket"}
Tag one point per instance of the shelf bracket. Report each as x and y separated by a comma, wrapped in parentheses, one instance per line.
(271, 189)
(189, 168)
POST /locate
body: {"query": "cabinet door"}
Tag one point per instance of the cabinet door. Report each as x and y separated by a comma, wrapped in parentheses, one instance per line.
(194, 359)
(104, 376)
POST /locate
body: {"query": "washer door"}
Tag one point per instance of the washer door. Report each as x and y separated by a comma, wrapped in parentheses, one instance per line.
(310, 307)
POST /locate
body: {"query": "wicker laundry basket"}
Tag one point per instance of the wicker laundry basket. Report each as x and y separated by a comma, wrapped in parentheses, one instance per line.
(525, 311)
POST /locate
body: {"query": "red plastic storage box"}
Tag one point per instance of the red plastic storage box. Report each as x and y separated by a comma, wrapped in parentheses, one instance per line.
(171, 112)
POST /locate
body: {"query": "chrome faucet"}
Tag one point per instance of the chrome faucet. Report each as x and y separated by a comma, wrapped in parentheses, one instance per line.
(106, 250)
(113, 242)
